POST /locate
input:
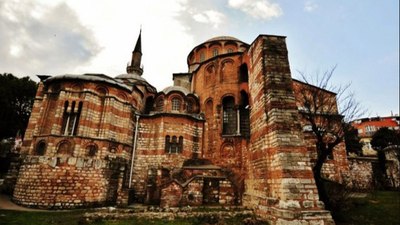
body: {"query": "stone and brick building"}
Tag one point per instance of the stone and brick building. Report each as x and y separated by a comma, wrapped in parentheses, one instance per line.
(227, 132)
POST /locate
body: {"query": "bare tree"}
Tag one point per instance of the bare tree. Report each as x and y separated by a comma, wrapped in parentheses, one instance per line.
(326, 108)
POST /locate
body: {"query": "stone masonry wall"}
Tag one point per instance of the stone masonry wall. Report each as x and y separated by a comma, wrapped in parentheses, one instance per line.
(280, 181)
(67, 182)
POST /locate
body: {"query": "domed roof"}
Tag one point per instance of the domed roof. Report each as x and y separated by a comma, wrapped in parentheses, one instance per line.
(223, 38)
(89, 77)
(175, 88)
(132, 76)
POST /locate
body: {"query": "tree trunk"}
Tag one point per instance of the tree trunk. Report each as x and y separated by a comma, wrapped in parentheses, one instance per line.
(319, 180)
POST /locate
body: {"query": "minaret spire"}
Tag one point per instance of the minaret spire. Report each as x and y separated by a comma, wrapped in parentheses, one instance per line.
(136, 61)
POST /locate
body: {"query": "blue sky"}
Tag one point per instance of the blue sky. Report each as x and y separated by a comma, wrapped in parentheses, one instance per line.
(81, 36)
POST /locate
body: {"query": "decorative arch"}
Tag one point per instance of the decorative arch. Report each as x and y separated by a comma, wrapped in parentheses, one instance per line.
(160, 104)
(64, 147)
(78, 87)
(40, 148)
(101, 90)
(227, 70)
(209, 109)
(210, 74)
(192, 105)
(227, 150)
(122, 96)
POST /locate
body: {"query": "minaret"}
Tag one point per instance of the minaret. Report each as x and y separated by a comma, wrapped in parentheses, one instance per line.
(134, 67)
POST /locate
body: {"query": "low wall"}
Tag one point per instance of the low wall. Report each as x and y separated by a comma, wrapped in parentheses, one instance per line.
(366, 173)
(67, 182)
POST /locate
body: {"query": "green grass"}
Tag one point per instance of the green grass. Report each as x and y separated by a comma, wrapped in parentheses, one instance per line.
(378, 208)
(8, 217)
(39, 218)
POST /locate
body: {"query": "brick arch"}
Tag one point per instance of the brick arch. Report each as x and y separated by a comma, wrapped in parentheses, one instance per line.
(228, 71)
(102, 90)
(91, 149)
(193, 102)
(160, 103)
(77, 87)
(40, 148)
(122, 96)
(65, 147)
(227, 150)
(210, 74)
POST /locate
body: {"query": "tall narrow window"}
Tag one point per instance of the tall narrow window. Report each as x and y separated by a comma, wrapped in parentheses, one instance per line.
(180, 144)
(173, 145)
(202, 57)
(176, 104)
(215, 52)
(167, 141)
(244, 74)
(244, 115)
(149, 104)
(71, 118)
(229, 116)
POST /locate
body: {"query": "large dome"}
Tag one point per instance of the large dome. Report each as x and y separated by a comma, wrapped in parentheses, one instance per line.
(223, 38)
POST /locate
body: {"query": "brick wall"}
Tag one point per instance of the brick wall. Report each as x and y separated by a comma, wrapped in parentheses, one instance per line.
(280, 176)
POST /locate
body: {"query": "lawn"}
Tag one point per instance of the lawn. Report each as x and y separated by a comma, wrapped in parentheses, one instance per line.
(378, 208)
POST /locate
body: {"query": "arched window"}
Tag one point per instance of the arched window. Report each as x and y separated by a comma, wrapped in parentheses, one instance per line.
(40, 148)
(190, 106)
(91, 150)
(244, 73)
(71, 118)
(214, 52)
(229, 126)
(173, 145)
(160, 105)
(176, 104)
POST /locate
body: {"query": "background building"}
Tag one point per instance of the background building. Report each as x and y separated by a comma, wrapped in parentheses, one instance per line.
(367, 127)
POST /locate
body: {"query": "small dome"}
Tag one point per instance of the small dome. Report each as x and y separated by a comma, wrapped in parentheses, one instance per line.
(175, 88)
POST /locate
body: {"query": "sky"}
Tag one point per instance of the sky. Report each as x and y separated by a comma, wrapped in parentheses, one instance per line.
(53, 37)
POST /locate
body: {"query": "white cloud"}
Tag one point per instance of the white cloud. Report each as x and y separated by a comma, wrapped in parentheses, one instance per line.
(41, 39)
(259, 9)
(212, 17)
(310, 6)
